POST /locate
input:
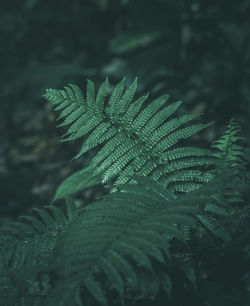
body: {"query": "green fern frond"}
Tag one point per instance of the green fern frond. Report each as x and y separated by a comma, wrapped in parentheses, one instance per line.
(134, 139)
(110, 246)
(228, 151)
(116, 238)
(117, 235)
(26, 249)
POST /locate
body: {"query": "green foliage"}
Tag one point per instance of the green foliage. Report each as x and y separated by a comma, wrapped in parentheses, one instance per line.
(199, 50)
(26, 250)
(168, 45)
(227, 145)
(133, 139)
(122, 247)
(118, 239)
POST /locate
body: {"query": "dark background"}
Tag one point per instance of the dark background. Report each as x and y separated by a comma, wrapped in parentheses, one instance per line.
(197, 51)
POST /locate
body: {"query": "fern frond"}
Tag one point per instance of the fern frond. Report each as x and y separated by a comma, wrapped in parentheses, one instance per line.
(121, 231)
(110, 246)
(26, 249)
(116, 238)
(134, 139)
(228, 151)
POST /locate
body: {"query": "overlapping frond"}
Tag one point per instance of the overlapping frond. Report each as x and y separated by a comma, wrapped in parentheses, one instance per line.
(26, 249)
(116, 240)
(117, 237)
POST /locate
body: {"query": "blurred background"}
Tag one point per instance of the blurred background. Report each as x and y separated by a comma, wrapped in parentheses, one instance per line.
(197, 51)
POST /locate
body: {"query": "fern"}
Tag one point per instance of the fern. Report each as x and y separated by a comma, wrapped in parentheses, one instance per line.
(134, 138)
(228, 152)
(119, 248)
(144, 141)
(108, 246)
(227, 147)
(119, 230)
